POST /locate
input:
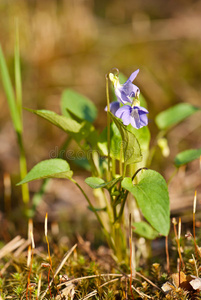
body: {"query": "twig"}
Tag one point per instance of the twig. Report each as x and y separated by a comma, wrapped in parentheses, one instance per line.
(12, 245)
(177, 241)
(39, 286)
(30, 262)
(66, 256)
(148, 280)
(167, 254)
(194, 211)
(50, 260)
(143, 295)
(89, 277)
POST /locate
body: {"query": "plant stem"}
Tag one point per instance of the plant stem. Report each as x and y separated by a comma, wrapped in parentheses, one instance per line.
(15, 111)
(18, 89)
(121, 160)
(123, 205)
(88, 200)
(23, 169)
(108, 124)
(108, 236)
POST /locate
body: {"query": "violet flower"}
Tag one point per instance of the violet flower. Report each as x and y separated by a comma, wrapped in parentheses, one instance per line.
(128, 93)
(136, 115)
(125, 91)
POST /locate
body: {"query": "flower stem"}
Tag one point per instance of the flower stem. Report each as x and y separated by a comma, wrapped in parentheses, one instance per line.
(121, 160)
(108, 124)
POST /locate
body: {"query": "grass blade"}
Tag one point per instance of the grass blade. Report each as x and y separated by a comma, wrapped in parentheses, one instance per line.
(9, 93)
(18, 82)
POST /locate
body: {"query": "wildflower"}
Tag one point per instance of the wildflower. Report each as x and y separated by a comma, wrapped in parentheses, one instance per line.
(135, 115)
(125, 91)
(128, 94)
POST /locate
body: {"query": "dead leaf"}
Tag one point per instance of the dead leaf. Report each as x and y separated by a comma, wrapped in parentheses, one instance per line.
(196, 283)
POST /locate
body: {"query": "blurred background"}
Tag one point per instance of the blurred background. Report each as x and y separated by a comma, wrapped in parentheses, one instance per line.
(73, 44)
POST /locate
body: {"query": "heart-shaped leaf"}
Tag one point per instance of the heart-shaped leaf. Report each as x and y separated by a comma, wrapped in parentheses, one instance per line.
(145, 230)
(50, 168)
(151, 194)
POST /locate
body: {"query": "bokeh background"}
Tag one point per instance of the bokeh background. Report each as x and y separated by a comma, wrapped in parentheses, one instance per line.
(73, 44)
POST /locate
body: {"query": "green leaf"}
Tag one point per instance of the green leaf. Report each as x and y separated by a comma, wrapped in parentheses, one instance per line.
(151, 194)
(145, 230)
(113, 182)
(174, 115)
(66, 124)
(51, 168)
(143, 136)
(9, 93)
(115, 142)
(187, 156)
(18, 79)
(131, 146)
(79, 131)
(97, 209)
(96, 182)
(79, 105)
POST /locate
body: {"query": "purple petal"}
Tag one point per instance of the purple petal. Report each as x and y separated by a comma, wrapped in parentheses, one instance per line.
(125, 91)
(133, 75)
(139, 117)
(141, 110)
(133, 123)
(126, 117)
(124, 113)
(114, 106)
(143, 120)
(135, 120)
(121, 96)
(129, 89)
(118, 93)
(121, 110)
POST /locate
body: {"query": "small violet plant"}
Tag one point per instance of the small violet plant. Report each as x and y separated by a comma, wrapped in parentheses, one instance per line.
(127, 193)
(129, 196)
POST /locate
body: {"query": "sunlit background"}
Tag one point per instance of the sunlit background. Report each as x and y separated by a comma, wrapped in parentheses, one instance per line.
(73, 44)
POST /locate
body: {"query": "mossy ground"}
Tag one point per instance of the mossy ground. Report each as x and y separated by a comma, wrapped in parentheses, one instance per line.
(83, 273)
